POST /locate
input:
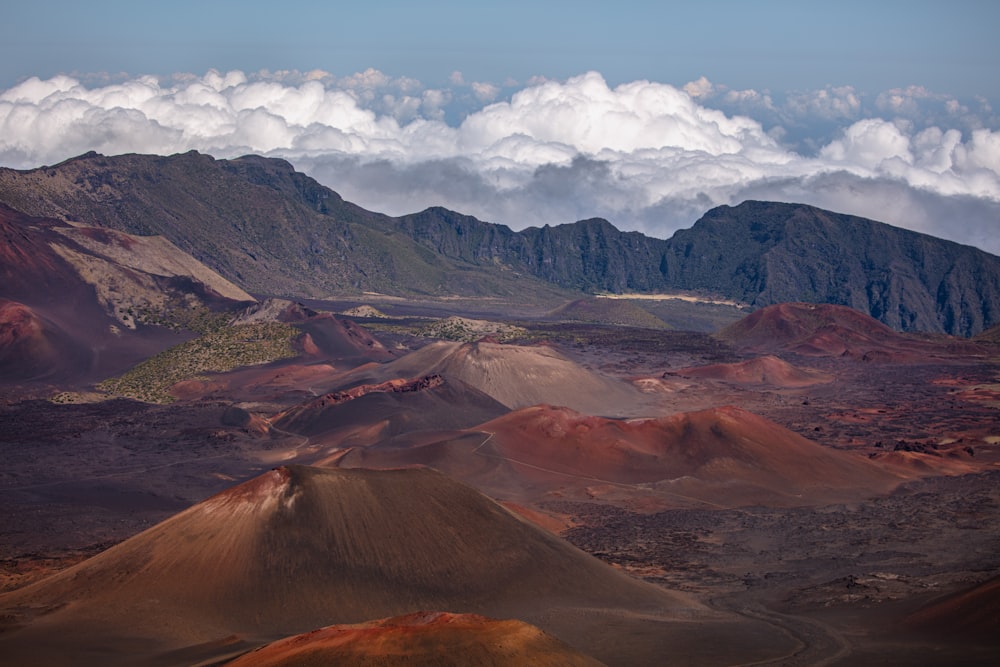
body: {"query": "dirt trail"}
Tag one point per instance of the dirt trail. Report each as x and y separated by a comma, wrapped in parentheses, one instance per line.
(818, 643)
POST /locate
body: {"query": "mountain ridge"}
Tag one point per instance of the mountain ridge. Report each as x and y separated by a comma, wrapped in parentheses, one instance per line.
(271, 229)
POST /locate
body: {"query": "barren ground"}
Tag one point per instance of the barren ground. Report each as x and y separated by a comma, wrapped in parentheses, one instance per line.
(837, 580)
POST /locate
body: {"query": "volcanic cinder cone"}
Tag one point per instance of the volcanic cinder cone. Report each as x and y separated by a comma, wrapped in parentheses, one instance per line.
(300, 548)
(515, 375)
(822, 330)
(722, 456)
(766, 371)
(971, 615)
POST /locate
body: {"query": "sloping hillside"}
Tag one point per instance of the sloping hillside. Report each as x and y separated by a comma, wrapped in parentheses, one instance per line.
(256, 221)
(273, 230)
(71, 294)
(300, 548)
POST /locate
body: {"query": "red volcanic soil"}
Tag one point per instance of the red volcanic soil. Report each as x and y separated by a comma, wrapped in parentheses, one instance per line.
(324, 335)
(397, 386)
(283, 381)
(327, 347)
(423, 639)
(341, 339)
(51, 298)
(826, 330)
(69, 336)
(749, 458)
(28, 266)
(299, 548)
(720, 457)
(514, 375)
(27, 345)
(925, 461)
(767, 371)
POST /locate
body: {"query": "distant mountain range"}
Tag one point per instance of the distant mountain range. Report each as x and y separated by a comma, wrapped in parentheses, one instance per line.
(272, 230)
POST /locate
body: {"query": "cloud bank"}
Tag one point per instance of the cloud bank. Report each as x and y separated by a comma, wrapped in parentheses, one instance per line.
(645, 155)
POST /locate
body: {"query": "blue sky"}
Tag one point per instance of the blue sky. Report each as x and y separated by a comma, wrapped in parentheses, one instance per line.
(778, 44)
(532, 113)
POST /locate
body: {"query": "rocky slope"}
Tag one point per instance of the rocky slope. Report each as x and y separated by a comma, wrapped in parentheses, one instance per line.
(765, 253)
(256, 221)
(273, 230)
(83, 302)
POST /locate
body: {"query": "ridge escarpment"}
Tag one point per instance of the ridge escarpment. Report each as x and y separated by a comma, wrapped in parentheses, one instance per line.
(273, 230)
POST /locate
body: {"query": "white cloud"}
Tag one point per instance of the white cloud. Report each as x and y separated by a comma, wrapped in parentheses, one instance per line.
(485, 92)
(871, 144)
(699, 89)
(833, 103)
(645, 155)
(902, 101)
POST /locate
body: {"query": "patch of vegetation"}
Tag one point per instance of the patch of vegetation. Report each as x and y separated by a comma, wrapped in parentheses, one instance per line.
(77, 397)
(365, 311)
(219, 350)
(178, 314)
(467, 330)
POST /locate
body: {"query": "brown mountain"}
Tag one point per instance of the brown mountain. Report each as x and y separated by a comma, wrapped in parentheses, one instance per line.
(367, 413)
(828, 330)
(763, 253)
(257, 222)
(33, 347)
(970, 615)
(300, 548)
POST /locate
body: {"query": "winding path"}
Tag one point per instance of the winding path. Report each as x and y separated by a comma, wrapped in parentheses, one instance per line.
(817, 643)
